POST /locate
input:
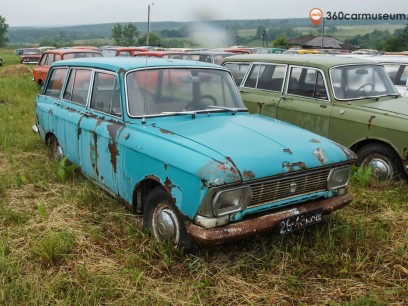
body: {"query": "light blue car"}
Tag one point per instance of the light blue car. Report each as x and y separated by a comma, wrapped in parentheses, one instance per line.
(173, 140)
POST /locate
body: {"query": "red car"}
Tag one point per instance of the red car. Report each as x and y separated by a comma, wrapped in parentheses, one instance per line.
(51, 56)
(122, 51)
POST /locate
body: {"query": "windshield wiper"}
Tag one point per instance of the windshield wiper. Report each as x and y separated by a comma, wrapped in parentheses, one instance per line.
(233, 110)
(193, 114)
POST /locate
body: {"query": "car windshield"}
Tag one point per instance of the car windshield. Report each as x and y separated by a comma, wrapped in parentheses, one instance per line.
(180, 90)
(361, 81)
(31, 51)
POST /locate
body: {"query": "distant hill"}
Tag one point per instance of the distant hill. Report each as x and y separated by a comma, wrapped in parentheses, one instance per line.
(34, 35)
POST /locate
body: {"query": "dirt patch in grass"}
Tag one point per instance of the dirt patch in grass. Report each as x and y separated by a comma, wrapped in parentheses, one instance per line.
(16, 70)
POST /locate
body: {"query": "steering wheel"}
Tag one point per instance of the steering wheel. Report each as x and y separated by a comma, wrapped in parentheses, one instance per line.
(198, 103)
(364, 85)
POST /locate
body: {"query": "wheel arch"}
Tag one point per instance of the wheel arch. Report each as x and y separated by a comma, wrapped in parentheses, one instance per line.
(358, 145)
(141, 191)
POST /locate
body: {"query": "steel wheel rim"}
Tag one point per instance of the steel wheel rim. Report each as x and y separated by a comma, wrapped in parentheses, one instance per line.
(165, 225)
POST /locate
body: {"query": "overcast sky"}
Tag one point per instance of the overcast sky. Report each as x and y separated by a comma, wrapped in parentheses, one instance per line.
(76, 12)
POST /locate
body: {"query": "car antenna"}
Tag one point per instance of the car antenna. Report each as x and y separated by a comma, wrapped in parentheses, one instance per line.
(145, 91)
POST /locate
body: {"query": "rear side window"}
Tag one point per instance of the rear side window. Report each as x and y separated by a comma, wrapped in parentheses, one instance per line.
(78, 86)
(55, 82)
(271, 77)
(238, 71)
(105, 94)
(267, 77)
(307, 82)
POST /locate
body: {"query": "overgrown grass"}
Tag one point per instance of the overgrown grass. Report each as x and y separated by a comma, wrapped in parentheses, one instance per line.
(65, 242)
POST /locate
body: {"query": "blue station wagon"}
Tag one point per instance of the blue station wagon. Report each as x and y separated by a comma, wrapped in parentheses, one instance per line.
(174, 141)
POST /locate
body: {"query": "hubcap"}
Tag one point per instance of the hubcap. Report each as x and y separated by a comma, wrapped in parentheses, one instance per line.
(59, 153)
(382, 167)
(165, 224)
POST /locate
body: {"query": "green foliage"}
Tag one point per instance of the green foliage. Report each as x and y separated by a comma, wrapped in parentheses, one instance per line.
(154, 39)
(398, 42)
(117, 33)
(362, 175)
(280, 42)
(125, 35)
(54, 248)
(3, 31)
(287, 31)
(372, 40)
(66, 169)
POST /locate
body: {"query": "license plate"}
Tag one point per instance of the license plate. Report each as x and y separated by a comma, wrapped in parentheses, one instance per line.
(300, 221)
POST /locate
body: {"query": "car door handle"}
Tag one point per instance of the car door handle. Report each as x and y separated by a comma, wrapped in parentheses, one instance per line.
(287, 99)
(323, 106)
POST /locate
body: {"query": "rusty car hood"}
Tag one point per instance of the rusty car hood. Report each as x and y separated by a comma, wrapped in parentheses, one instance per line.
(397, 106)
(255, 146)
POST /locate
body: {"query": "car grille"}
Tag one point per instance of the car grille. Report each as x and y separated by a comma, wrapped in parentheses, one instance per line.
(277, 189)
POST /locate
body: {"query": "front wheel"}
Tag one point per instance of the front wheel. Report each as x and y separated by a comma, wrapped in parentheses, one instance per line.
(385, 163)
(163, 221)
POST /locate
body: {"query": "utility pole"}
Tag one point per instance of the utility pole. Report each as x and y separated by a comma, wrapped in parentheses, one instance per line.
(322, 32)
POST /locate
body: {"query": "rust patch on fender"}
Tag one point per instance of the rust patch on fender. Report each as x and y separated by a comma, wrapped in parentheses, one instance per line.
(314, 140)
(319, 154)
(249, 175)
(291, 166)
(163, 131)
(289, 151)
(260, 105)
(168, 184)
(370, 120)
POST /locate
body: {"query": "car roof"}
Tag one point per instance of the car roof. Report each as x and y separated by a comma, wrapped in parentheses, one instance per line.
(128, 63)
(126, 48)
(68, 50)
(386, 58)
(210, 52)
(315, 60)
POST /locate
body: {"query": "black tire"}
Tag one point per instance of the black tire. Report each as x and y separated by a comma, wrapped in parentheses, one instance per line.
(159, 211)
(55, 148)
(386, 164)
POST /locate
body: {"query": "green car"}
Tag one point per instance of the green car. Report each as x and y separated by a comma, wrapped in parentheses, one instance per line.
(351, 101)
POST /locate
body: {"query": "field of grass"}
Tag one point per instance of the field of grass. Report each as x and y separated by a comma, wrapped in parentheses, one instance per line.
(346, 32)
(63, 241)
